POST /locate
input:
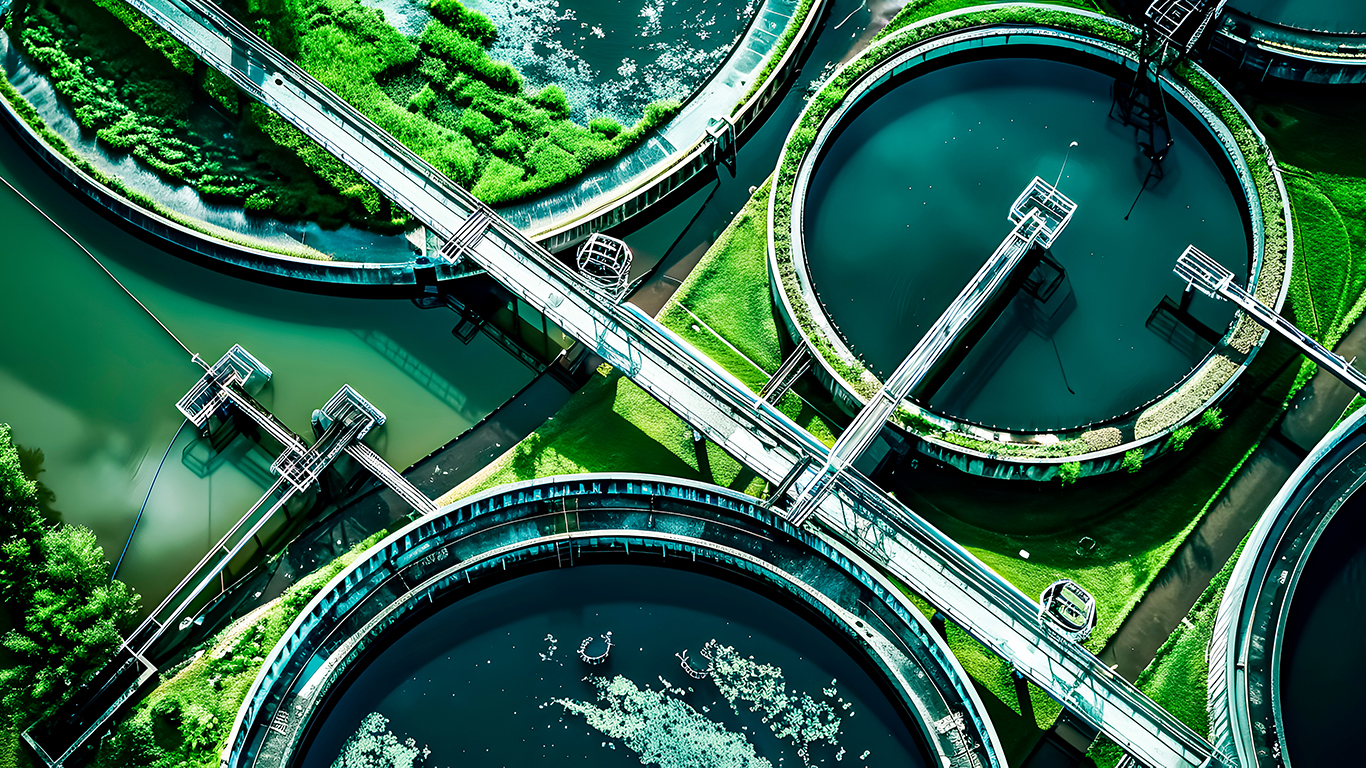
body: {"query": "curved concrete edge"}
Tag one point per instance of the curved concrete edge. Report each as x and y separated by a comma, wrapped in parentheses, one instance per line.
(1235, 637)
(290, 270)
(644, 192)
(1290, 53)
(895, 61)
(401, 550)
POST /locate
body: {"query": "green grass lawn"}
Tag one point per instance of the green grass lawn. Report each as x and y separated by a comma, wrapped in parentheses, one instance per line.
(611, 425)
(725, 309)
(1178, 677)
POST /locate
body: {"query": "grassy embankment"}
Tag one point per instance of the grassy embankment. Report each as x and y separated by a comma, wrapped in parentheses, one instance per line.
(1325, 176)
(185, 721)
(613, 425)
(1179, 674)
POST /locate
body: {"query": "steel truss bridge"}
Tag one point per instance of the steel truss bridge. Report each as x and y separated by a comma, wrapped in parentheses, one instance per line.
(702, 394)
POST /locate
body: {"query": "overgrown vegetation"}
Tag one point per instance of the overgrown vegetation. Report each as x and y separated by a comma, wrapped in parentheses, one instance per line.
(186, 719)
(442, 96)
(188, 128)
(34, 121)
(1069, 473)
(55, 584)
(137, 90)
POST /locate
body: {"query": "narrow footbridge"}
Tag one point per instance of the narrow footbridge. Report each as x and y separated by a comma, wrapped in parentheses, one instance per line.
(346, 418)
(1214, 279)
(704, 395)
(1040, 213)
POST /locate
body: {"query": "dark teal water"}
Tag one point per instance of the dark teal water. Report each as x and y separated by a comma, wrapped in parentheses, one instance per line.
(1323, 15)
(471, 684)
(1323, 664)
(613, 57)
(913, 197)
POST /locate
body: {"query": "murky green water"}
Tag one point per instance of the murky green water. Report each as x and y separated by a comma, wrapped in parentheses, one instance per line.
(913, 197)
(89, 379)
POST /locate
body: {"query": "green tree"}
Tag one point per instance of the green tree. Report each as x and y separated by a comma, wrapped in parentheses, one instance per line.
(56, 582)
(71, 622)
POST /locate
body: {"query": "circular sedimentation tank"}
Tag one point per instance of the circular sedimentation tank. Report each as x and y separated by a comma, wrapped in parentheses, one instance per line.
(618, 619)
(1282, 691)
(899, 178)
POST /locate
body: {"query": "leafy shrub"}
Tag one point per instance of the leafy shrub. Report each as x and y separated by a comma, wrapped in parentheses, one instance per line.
(552, 99)
(1213, 418)
(1180, 435)
(605, 126)
(423, 101)
(471, 24)
(1070, 472)
(1133, 460)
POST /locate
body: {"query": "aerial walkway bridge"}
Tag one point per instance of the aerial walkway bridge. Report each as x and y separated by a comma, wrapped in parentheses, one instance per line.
(1040, 213)
(346, 418)
(1215, 280)
(705, 396)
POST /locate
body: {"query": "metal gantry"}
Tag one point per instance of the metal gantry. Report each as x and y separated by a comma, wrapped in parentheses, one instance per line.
(346, 418)
(1171, 28)
(1040, 213)
(694, 387)
(606, 262)
(1203, 273)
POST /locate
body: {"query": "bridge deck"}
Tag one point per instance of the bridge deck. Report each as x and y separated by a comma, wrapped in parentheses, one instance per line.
(692, 386)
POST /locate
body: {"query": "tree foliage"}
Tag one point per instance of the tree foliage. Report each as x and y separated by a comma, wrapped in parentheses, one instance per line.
(56, 581)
